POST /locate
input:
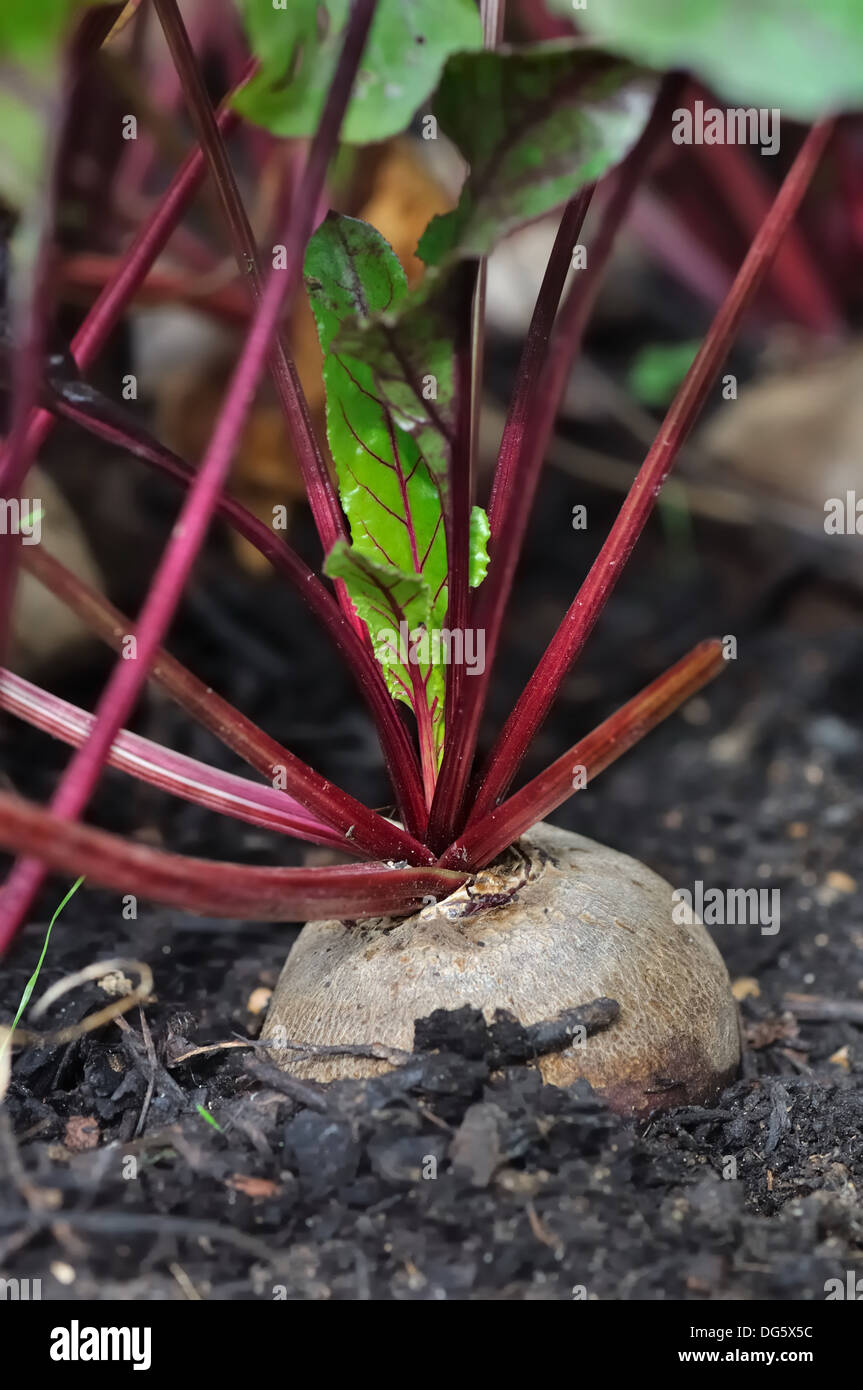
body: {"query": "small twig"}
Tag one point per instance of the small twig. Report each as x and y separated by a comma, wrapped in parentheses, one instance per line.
(523, 1044)
(161, 1224)
(93, 1021)
(817, 1009)
(185, 1282)
(541, 1231)
(378, 1051)
(133, 1046)
(151, 1058)
(213, 1047)
(37, 1198)
(289, 1086)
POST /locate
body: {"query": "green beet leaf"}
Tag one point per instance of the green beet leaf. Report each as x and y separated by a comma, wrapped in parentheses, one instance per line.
(298, 43)
(534, 126)
(396, 608)
(803, 56)
(391, 496)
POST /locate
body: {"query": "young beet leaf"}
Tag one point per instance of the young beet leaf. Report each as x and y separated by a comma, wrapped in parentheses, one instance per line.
(388, 424)
(558, 921)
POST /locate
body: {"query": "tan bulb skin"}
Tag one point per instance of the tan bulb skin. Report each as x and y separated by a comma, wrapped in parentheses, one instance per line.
(579, 921)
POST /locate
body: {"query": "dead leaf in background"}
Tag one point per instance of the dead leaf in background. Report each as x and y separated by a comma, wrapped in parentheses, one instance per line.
(44, 630)
(404, 197)
(797, 434)
(265, 472)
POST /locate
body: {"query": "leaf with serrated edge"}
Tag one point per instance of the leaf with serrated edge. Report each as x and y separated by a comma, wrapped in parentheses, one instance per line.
(365, 313)
(391, 497)
(393, 605)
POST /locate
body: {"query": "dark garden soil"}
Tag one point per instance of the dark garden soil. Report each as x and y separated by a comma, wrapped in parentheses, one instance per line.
(130, 1170)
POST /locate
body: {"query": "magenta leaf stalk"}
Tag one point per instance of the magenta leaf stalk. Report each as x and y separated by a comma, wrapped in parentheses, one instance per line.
(469, 368)
(544, 370)
(353, 821)
(111, 423)
(457, 514)
(541, 690)
(172, 772)
(463, 721)
(485, 838)
(212, 888)
(534, 363)
(795, 278)
(82, 275)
